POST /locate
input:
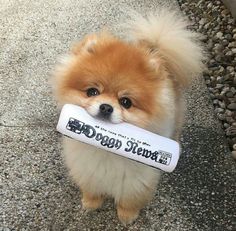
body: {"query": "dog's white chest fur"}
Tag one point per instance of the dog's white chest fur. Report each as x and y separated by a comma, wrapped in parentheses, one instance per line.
(105, 173)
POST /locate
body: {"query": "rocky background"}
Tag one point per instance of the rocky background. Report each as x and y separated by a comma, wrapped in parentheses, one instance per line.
(215, 22)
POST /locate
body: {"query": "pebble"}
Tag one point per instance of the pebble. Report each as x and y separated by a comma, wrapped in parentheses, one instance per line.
(212, 95)
(221, 116)
(229, 53)
(222, 104)
(234, 147)
(232, 106)
(225, 42)
(229, 120)
(219, 47)
(219, 86)
(228, 112)
(219, 35)
(234, 81)
(210, 5)
(228, 37)
(229, 94)
(234, 154)
(221, 70)
(233, 90)
(219, 57)
(226, 125)
(219, 110)
(219, 79)
(232, 44)
(230, 69)
(234, 50)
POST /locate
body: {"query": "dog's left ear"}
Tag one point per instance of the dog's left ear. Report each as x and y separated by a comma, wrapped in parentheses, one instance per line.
(86, 45)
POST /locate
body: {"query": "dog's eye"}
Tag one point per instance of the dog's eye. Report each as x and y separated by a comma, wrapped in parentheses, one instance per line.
(92, 92)
(125, 102)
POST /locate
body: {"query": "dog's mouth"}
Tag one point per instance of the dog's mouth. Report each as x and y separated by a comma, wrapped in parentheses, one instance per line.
(103, 118)
(108, 119)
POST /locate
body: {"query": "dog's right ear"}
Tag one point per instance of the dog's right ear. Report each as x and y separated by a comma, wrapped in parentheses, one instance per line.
(86, 45)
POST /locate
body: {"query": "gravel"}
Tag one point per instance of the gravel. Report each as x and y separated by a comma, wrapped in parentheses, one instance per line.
(218, 28)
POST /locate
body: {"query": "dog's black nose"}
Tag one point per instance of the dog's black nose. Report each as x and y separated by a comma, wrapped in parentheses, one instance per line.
(105, 110)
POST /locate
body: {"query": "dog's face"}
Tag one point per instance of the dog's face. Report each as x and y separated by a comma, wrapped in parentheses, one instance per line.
(113, 81)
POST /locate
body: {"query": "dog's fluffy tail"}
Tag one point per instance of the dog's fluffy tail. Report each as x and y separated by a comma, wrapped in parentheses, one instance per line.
(167, 32)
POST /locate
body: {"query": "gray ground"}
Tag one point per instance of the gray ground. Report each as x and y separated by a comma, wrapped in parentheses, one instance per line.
(36, 193)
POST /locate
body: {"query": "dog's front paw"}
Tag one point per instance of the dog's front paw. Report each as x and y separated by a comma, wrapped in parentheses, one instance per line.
(90, 203)
(127, 216)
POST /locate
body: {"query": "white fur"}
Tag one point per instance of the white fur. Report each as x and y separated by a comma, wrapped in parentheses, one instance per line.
(167, 98)
(64, 63)
(104, 173)
(66, 60)
(166, 31)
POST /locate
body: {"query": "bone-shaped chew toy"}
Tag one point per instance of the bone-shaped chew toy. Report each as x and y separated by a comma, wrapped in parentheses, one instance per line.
(123, 139)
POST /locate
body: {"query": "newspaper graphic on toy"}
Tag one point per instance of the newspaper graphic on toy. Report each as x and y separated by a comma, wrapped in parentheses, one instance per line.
(123, 139)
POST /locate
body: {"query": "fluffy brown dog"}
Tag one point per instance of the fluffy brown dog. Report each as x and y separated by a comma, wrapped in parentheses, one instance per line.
(139, 80)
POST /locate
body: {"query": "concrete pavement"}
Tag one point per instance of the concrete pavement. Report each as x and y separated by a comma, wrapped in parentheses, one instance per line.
(35, 191)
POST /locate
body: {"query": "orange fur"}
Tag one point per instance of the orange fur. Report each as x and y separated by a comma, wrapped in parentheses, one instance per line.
(116, 68)
(91, 202)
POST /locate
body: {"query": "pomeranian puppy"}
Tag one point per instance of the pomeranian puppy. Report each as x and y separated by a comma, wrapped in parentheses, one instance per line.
(140, 80)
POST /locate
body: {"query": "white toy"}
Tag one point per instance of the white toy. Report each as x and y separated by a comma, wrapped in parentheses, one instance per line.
(123, 139)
